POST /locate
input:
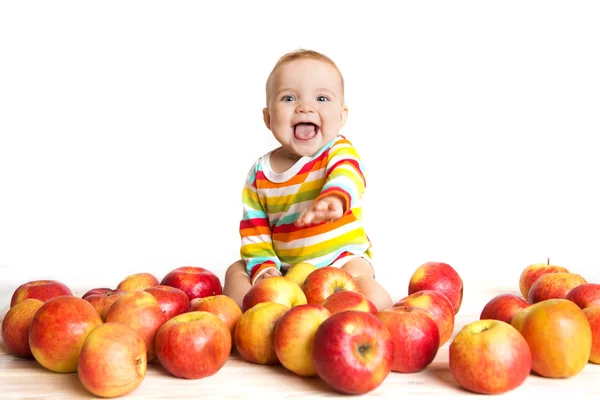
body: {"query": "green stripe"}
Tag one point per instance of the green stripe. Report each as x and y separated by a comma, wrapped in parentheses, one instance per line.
(297, 198)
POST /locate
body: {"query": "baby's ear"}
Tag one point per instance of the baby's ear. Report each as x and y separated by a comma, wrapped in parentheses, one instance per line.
(344, 115)
(267, 118)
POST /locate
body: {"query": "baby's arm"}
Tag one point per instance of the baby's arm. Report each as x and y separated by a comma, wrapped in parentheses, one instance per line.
(345, 185)
(257, 246)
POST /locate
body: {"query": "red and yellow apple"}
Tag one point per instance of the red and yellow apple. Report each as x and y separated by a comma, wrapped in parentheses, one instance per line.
(559, 337)
(585, 295)
(436, 304)
(141, 311)
(194, 281)
(42, 290)
(440, 277)
(349, 300)
(532, 272)
(102, 299)
(353, 352)
(277, 290)
(222, 306)
(293, 338)
(503, 307)
(172, 301)
(325, 281)
(593, 316)
(15, 327)
(58, 331)
(139, 281)
(489, 357)
(113, 360)
(255, 332)
(553, 286)
(298, 273)
(415, 335)
(193, 345)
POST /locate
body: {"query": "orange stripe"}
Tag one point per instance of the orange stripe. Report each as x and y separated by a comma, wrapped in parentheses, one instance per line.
(314, 230)
(258, 230)
(297, 179)
(267, 184)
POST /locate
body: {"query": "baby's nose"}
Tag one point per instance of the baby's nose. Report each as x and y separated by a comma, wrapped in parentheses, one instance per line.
(305, 107)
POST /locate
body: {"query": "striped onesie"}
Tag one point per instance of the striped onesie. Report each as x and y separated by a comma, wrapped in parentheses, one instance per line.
(272, 202)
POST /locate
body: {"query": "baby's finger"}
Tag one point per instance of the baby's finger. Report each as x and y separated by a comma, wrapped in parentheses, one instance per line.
(308, 218)
(321, 205)
(301, 220)
(322, 216)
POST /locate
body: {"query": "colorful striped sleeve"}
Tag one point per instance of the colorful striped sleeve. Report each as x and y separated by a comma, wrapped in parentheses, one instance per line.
(345, 174)
(257, 246)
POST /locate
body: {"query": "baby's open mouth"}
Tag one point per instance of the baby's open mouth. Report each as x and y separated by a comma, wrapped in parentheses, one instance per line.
(305, 130)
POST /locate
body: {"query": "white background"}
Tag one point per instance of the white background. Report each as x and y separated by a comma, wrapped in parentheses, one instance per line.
(127, 130)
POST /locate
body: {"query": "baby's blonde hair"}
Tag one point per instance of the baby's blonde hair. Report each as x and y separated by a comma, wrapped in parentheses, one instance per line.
(303, 54)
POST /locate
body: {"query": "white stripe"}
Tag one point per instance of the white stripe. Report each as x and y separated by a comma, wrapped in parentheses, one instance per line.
(328, 257)
(294, 208)
(292, 189)
(342, 157)
(255, 239)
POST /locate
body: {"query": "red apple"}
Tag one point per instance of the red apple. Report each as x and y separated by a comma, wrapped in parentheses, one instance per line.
(15, 327)
(223, 307)
(172, 301)
(99, 290)
(532, 272)
(440, 277)
(585, 295)
(194, 281)
(193, 345)
(325, 281)
(503, 307)
(277, 290)
(436, 304)
(415, 335)
(593, 316)
(102, 299)
(349, 300)
(553, 286)
(293, 340)
(139, 281)
(58, 331)
(353, 352)
(559, 337)
(255, 331)
(142, 312)
(489, 357)
(112, 361)
(42, 290)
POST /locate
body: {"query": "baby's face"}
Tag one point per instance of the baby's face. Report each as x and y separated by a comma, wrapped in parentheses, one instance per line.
(305, 108)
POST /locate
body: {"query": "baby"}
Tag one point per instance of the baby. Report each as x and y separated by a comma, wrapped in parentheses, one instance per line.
(301, 201)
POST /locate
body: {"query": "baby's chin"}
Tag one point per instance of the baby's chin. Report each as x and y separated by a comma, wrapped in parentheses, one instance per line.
(304, 149)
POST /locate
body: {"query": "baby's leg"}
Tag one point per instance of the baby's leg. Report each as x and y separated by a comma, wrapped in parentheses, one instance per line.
(362, 271)
(237, 282)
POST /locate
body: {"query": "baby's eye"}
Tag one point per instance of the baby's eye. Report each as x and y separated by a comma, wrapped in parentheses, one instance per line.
(322, 98)
(287, 98)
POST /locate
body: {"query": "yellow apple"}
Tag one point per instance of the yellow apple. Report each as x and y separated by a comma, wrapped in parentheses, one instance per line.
(294, 333)
(559, 336)
(299, 272)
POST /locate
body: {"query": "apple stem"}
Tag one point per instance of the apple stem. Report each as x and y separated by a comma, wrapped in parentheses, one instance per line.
(548, 260)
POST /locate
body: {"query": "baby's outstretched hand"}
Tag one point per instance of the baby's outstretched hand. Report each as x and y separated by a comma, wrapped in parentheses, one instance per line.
(329, 208)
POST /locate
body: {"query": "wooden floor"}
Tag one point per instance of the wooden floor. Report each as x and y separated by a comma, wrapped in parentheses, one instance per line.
(26, 379)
